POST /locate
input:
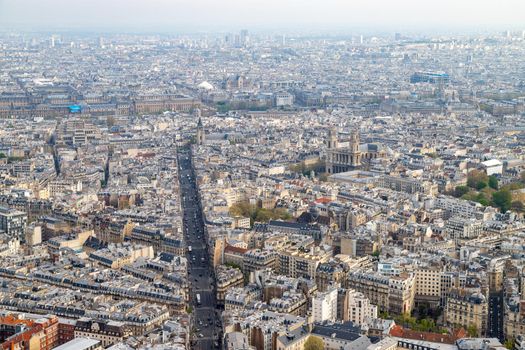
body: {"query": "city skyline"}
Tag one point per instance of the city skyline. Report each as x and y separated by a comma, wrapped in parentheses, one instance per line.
(294, 15)
(262, 175)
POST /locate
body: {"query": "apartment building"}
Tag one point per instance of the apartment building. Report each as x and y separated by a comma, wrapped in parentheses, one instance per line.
(394, 294)
(428, 285)
(360, 308)
(468, 309)
(324, 306)
(13, 222)
(258, 259)
(458, 228)
(107, 332)
(298, 263)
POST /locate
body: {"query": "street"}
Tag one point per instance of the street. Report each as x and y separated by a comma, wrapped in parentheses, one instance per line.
(495, 321)
(206, 324)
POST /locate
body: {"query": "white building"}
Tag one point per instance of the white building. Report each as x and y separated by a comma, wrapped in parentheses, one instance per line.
(324, 306)
(460, 228)
(283, 99)
(492, 167)
(360, 308)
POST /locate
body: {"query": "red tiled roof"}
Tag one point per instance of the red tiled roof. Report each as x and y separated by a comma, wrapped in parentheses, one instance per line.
(232, 249)
(400, 332)
(323, 200)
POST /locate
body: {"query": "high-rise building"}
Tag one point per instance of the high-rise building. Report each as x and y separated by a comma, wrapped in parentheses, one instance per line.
(245, 39)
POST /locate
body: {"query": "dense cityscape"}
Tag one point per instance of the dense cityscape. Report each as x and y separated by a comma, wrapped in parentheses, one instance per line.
(253, 191)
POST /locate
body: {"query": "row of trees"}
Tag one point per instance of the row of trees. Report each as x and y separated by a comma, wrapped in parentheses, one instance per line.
(258, 214)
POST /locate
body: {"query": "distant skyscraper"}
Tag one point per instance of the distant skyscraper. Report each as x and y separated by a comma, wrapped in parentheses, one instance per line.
(361, 40)
(228, 39)
(245, 39)
(52, 41)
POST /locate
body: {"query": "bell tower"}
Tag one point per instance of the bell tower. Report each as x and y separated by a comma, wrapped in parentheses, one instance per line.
(200, 133)
(354, 149)
(332, 138)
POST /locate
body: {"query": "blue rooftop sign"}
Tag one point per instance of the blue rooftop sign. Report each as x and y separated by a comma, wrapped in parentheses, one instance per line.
(75, 109)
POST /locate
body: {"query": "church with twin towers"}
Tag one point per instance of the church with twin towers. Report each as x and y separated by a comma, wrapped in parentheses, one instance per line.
(350, 154)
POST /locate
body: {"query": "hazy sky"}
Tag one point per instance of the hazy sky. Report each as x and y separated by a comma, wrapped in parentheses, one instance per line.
(202, 15)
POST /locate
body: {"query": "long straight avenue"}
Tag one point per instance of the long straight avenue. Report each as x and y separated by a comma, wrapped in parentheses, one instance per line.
(206, 324)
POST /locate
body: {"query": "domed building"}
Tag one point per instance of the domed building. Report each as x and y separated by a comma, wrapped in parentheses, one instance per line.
(205, 86)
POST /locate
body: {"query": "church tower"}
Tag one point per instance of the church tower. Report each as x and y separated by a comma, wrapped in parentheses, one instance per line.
(355, 149)
(200, 133)
(332, 138)
(354, 141)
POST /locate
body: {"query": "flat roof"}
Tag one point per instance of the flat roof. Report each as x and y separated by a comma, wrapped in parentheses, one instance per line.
(491, 162)
(78, 344)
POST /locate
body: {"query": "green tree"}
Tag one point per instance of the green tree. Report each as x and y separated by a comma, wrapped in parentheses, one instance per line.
(476, 176)
(255, 213)
(509, 343)
(484, 202)
(513, 186)
(480, 198)
(2, 155)
(14, 159)
(472, 330)
(481, 185)
(502, 200)
(263, 215)
(314, 343)
(384, 315)
(281, 213)
(460, 191)
(241, 209)
(493, 182)
(234, 265)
